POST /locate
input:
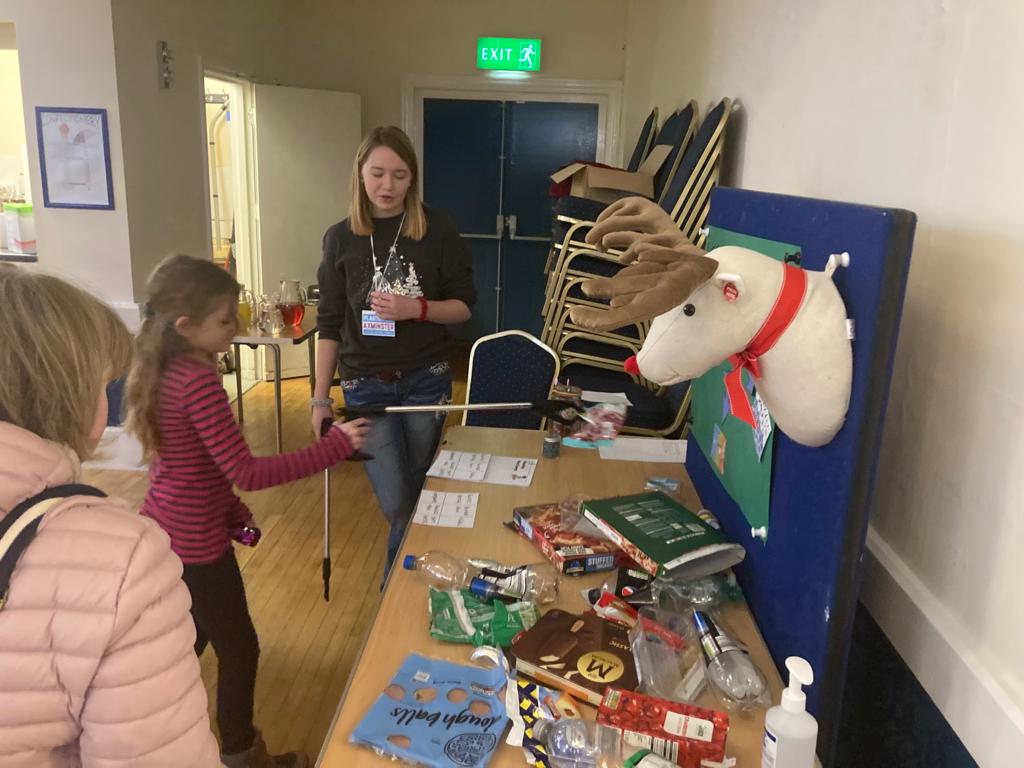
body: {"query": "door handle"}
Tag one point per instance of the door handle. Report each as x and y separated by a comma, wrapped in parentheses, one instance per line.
(499, 225)
(513, 222)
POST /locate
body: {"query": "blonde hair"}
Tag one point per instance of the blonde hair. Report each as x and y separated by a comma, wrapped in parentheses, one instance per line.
(180, 286)
(360, 217)
(60, 345)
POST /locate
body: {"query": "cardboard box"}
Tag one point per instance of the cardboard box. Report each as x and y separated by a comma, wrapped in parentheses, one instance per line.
(570, 551)
(606, 185)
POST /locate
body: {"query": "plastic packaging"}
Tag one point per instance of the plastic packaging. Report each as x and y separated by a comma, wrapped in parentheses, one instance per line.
(248, 535)
(599, 425)
(457, 616)
(21, 229)
(790, 732)
(586, 744)
(680, 595)
(730, 673)
(667, 655)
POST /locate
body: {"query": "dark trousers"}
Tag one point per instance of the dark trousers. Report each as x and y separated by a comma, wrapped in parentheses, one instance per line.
(222, 619)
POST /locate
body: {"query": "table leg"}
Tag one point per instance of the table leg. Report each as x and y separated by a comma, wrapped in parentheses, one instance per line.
(277, 390)
(311, 342)
(238, 380)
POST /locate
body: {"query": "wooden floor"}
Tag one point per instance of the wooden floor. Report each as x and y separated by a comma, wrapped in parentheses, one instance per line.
(307, 646)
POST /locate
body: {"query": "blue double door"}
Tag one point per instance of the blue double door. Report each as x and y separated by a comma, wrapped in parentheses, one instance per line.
(487, 163)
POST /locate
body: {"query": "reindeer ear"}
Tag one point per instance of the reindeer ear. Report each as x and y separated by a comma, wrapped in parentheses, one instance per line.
(730, 284)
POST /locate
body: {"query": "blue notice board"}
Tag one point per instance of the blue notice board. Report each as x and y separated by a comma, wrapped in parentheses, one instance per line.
(802, 583)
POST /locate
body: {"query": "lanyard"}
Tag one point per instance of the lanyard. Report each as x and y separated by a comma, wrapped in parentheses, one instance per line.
(391, 250)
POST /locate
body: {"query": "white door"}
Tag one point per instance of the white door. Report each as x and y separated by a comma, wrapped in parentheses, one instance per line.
(306, 141)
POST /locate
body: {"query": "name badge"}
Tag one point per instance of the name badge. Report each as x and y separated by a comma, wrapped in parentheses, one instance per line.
(375, 326)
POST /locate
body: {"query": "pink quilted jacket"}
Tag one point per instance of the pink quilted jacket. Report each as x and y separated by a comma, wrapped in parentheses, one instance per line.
(96, 660)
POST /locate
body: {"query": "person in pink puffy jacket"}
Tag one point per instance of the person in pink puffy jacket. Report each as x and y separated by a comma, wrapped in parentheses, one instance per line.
(97, 667)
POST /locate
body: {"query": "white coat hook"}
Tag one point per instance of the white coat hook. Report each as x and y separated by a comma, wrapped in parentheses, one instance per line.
(837, 260)
(760, 533)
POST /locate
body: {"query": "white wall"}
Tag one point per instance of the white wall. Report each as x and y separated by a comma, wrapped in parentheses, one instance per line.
(163, 131)
(913, 105)
(367, 48)
(66, 57)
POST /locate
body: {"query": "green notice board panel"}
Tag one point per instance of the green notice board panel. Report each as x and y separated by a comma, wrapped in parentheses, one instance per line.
(729, 444)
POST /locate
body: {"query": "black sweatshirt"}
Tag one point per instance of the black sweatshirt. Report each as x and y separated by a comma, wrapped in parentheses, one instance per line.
(437, 267)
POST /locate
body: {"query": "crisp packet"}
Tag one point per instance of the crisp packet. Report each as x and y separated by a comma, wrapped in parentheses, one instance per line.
(457, 616)
(528, 703)
(437, 713)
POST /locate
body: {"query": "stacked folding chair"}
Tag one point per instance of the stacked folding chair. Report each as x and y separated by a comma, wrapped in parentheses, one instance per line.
(594, 361)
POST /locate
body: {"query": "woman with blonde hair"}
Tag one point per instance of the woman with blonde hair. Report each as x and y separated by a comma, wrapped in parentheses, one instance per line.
(394, 279)
(96, 659)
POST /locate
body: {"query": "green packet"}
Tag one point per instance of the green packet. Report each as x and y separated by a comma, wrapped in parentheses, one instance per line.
(460, 617)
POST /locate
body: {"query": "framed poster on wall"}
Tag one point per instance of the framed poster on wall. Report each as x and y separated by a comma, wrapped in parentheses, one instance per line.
(74, 157)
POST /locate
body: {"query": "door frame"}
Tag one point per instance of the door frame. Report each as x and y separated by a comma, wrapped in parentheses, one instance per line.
(247, 231)
(607, 94)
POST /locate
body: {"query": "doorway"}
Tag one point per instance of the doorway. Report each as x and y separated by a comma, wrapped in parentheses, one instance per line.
(487, 162)
(232, 245)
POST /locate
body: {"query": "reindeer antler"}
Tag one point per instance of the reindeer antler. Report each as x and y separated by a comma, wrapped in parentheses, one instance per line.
(631, 222)
(661, 279)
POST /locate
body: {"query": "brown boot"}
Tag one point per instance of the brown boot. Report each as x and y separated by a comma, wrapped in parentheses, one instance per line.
(256, 757)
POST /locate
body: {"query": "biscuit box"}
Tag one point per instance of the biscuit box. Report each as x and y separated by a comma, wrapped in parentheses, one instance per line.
(679, 732)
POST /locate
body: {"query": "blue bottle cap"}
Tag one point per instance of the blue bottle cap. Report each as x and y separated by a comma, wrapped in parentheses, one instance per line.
(482, 588)
(409, 563)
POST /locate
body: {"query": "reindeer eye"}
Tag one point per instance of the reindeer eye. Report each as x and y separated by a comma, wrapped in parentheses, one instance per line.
(689, 310)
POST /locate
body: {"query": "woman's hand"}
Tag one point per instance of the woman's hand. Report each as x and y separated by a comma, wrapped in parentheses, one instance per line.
(355, 431)
(394, 306)
(321, 413)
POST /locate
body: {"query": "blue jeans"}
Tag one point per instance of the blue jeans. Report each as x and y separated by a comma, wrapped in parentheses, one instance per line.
(403, 445)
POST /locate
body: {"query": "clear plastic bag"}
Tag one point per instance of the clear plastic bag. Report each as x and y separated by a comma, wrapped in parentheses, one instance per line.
(667, 655)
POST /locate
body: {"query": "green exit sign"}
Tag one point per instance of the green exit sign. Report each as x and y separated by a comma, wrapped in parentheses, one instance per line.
(515, 54)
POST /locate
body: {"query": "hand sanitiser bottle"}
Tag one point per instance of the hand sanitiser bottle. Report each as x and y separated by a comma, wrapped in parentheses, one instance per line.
(790, 732)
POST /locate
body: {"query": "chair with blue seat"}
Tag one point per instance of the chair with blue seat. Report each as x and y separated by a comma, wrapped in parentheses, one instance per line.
(653, 411)
(509, 367)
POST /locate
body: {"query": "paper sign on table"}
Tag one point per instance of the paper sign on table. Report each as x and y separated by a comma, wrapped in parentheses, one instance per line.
(460, 465)
(483, 468)
(448, 510)
(652, 449)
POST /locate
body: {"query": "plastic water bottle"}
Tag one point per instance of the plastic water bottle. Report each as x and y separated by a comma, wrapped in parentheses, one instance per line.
(731, 674)
(537, 582)
(439, 569)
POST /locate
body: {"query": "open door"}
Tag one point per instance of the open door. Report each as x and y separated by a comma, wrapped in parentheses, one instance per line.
(306, 141)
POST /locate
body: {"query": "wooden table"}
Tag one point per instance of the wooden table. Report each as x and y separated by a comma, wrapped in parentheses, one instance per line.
(401, 624)
(253, 337)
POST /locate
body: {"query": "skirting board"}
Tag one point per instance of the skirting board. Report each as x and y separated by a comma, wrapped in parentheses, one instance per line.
(937, 648)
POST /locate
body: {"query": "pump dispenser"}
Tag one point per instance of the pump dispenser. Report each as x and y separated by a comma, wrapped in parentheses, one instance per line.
(790, 732)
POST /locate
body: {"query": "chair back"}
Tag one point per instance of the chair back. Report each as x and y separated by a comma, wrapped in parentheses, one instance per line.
(644, 141)
(509, 367)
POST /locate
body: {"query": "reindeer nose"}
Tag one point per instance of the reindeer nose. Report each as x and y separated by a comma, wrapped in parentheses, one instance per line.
(631, 366)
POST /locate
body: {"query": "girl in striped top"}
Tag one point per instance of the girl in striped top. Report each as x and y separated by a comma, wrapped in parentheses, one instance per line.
(180, 413)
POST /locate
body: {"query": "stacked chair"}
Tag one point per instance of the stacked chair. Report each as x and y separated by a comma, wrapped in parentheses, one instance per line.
(509, 367)
(594, 361)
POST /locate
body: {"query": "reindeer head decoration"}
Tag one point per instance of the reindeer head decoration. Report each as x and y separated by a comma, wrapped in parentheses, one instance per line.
(785, 325)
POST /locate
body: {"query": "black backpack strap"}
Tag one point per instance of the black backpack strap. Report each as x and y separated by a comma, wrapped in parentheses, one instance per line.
(16, 534)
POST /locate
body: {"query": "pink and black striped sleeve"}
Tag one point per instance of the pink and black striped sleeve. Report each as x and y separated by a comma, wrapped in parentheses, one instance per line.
(209, 411)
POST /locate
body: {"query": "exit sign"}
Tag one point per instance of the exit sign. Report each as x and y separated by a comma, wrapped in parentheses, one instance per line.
(514, 54)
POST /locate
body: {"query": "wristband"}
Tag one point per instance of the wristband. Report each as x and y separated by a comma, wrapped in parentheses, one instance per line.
(321, 402)
(423, 308)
